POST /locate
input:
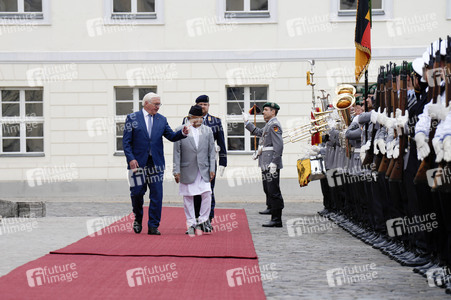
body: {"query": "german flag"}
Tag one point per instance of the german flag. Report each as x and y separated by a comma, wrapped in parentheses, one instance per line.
(362, 38)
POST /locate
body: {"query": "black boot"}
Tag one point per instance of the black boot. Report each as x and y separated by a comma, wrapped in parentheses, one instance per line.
(267, 211)
(276, 219)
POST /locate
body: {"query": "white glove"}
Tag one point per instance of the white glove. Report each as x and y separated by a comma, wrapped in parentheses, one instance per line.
(221, 170)
(438, 147)
(217, 148)
(438, 111)
(363, 150)
(390, 122)
(272, 168)
(245, 117)
(396, 151)
(447, 148)
(380, 144)
(374, 116)
(255, 156)
(422, 145)
(390, 146)
(362, 154)
(401, 121)
(381, 118)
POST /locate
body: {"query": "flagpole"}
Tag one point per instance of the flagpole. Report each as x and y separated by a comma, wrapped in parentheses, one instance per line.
(365, 94)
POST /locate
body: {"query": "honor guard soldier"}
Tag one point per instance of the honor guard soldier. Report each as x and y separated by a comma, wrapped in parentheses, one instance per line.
(270, 159)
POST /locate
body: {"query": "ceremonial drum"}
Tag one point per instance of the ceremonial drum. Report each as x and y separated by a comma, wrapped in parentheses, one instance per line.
(318, 168)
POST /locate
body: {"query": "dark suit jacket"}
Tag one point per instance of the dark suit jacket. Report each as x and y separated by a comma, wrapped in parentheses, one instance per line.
(137, 144)
(218, 134)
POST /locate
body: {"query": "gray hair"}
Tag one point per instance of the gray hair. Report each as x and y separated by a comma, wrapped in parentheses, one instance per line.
(149, 96)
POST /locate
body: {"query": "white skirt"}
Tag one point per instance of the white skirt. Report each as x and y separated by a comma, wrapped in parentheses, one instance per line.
(198, 187)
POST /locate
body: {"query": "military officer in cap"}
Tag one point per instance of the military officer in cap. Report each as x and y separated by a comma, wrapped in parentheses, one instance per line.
(270, 159)
(218, 134)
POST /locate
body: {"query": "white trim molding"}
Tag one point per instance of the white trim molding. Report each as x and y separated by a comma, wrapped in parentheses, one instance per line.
(170, 56)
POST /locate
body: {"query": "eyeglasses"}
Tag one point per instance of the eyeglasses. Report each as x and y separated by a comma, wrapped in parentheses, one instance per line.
(157, 104)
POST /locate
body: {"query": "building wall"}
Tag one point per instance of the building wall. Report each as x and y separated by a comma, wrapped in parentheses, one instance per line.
(200, 64)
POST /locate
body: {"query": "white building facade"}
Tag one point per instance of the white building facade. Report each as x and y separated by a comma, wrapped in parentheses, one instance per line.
(70, 71)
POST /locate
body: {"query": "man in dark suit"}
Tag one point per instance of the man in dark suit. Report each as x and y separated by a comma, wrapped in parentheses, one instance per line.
(218, 134)
(143, 148)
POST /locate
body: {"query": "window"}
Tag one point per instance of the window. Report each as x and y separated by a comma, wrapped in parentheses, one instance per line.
(24, 11)
(345, 10)
(136, 11)
(127, 100)
(238, 138)
(22, 121)
(247, 11)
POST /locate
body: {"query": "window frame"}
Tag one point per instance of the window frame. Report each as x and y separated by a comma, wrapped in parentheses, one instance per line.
(122, 118)
(239, 119)
(384, 14)
(111, 18)
(22, 120)
(21, 17)
(448, 9)
(247, 17)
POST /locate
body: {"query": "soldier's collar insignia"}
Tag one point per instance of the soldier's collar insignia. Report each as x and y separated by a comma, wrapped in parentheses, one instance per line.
(209, 118)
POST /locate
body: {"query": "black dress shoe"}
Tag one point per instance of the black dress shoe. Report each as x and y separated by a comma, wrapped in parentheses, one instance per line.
(205, 226)
(265, 212)
(273, 224)
(137, 227)
(153, 231)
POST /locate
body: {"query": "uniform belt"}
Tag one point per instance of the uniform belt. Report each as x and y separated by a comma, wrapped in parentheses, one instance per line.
(268, 148)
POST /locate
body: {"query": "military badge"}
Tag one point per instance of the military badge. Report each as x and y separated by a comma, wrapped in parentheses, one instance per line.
(276, 128)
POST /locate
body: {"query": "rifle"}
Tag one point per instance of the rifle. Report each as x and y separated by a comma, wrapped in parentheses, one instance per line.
(369, 157)
(394, 99)
(381, 102)
(388, 89)
(397, 172)
(433, 94)
(369, 154)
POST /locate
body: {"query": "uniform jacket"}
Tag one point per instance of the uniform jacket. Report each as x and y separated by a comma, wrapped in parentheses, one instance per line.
(270, 136)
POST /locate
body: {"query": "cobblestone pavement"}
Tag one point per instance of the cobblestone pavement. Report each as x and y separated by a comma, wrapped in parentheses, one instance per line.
(297, 257)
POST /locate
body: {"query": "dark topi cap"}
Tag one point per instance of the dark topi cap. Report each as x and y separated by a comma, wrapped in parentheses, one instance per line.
(195, 110)
(202, 98)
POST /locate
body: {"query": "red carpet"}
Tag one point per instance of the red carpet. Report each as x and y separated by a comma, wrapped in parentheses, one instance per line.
(231, 238)
(100, 277)
(116, 263)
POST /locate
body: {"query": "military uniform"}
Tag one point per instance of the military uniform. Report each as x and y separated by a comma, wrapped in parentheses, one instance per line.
(270, 154)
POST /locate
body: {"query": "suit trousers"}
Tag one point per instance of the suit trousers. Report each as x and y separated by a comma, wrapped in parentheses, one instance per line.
(205, 207)
(153, 178)
(271, 187)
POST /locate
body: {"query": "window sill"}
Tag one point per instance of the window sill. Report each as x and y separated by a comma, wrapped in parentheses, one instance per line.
(237, 152)
(119, 153)
(22, 154)
(134, 19)
(15, 19)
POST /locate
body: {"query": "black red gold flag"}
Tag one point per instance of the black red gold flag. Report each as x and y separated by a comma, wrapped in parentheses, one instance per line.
(362, 38)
